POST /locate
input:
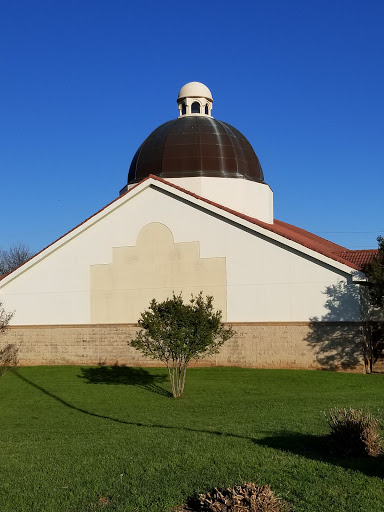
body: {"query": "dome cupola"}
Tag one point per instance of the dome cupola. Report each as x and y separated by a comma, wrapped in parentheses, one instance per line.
(195, 146)
(204, 155)
(195, 99)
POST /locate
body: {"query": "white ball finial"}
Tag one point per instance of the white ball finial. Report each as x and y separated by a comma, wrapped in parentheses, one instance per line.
(195, 99)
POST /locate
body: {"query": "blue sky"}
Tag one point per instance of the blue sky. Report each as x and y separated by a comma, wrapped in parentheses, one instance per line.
(83, 83)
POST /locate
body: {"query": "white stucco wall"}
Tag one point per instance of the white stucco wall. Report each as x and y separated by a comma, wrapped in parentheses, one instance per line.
(265, 280)
(244, 196)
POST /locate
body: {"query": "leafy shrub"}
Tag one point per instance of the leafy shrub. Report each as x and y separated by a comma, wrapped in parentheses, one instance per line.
(242, 498)
(354, 433)
(175, 333)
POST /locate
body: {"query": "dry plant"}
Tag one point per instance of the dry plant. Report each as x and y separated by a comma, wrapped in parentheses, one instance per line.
(355, 432)
(248, 497)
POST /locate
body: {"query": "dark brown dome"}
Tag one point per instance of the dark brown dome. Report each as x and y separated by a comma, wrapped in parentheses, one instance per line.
(193, 146)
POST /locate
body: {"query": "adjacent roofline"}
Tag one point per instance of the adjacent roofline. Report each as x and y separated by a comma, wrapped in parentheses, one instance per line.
(282, 232)
(360, 257)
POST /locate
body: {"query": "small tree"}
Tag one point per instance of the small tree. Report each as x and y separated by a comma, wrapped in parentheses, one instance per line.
(8, 354)
(175, 333)
(375, 274)
(373, 309)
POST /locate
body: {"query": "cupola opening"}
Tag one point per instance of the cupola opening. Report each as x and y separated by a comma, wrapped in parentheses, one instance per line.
(195, 107)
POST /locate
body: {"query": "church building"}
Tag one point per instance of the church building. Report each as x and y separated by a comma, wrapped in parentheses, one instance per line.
(196, 214)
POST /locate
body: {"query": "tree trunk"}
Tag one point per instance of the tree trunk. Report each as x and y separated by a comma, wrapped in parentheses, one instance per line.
(176, 374)
(171, 373)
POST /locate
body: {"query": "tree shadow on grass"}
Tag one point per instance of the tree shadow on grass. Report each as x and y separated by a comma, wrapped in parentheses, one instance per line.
(124, 422)
(309, 446)
(318, 448)
(126, 375)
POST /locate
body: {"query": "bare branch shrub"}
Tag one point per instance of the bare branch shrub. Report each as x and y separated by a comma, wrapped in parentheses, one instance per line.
(354, 433)
(9, 353)
(8, 358)
(5, 318)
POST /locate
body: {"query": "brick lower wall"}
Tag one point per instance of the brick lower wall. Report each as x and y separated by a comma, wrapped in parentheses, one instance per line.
(317, 345)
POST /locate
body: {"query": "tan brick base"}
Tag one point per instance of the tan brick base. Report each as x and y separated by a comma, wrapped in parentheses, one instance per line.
(317, 345)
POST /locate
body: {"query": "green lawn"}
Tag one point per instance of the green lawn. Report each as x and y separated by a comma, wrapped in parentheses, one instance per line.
(70, 436)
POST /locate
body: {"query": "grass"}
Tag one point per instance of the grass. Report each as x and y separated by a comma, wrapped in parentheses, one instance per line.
(87, 439)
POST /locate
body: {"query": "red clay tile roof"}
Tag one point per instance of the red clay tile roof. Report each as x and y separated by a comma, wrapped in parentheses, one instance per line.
(360, 258)
(301, 236)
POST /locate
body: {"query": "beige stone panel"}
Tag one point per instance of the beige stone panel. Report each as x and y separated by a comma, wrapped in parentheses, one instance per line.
(104, 275)
(154, 268)
(316, 345)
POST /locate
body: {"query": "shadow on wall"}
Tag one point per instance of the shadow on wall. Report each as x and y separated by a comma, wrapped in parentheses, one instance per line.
(127, 375)
(336, 336)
